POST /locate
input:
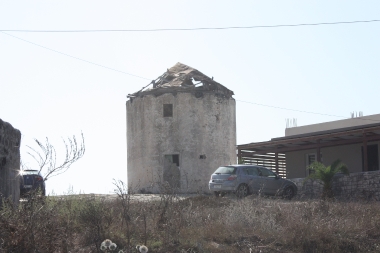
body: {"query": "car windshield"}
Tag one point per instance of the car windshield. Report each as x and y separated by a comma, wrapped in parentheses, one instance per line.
(225, 170)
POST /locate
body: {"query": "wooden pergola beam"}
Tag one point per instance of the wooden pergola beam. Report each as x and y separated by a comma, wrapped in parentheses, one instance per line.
(357, 132)
(313, 146)
(263, 158)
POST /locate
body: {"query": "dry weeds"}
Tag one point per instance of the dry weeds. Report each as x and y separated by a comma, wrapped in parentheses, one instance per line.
(201, 223)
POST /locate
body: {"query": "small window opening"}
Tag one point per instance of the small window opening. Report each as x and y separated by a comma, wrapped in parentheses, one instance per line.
(173, 159)
(3, 161)
(168, 110)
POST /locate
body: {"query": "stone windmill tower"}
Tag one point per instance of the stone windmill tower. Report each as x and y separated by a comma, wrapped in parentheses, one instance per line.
(179, 131)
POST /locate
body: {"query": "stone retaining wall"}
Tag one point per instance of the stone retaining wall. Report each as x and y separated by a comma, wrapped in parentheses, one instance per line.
(10, 139)
(358, 186)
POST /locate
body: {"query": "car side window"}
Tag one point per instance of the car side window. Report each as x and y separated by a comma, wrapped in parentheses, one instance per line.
(267, 173)
(242, 171)
(253, 171)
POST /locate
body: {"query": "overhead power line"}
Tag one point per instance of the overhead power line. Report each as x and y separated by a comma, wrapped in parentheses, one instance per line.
(295, 110)
(190, 29)
(76, 58)
(99, 65)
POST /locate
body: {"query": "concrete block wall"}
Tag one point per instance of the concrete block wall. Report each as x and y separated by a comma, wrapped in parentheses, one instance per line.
(356, 186)
(10, 139)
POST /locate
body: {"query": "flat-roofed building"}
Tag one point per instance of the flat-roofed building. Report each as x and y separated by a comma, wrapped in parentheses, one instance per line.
(354, 141)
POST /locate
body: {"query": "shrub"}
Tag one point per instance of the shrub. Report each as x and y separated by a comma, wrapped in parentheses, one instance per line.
(201, 223)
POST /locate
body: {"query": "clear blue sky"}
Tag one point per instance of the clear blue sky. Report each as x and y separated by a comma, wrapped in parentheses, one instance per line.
(327, 69)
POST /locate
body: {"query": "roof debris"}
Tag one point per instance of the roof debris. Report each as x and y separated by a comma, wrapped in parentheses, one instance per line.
(181, 78)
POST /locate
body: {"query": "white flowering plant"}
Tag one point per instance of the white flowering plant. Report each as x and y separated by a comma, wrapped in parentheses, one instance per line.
(108, 246)
(142, 248)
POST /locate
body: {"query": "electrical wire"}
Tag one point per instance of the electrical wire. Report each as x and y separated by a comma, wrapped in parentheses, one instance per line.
(76, 58)
(295, 110)
(123, 72)
(191, 29)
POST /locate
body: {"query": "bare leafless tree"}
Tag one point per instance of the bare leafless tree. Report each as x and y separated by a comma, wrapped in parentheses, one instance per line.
(46, 156)
(124, 194)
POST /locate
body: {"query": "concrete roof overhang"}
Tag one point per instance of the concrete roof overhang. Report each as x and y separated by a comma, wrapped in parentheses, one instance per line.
(336, 137)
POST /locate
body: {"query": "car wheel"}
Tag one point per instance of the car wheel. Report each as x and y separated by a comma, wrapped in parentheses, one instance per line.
(242, 191)
(216, 194)
(288, 193)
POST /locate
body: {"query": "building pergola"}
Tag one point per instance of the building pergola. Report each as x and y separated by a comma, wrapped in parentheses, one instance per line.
(272, 154)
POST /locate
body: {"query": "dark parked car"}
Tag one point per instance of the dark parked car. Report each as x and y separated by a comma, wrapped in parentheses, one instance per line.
(246, 179)
(31, 180)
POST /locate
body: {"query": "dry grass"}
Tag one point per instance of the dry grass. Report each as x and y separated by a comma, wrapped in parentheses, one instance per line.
(196, 224)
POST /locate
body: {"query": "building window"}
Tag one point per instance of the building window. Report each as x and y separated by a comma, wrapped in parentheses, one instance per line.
(173, 159)
(310, 158)
(3, 161)
(168, 110)
(372, 158)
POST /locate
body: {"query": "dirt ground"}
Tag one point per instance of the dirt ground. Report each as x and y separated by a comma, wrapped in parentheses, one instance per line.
(134, 197)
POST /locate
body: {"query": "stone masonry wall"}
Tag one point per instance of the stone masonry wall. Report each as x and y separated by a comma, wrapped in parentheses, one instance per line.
(10, 139)
(356, 186)
(201, 131)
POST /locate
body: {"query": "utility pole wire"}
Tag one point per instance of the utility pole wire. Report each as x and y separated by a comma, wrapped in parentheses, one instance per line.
(93, 63)
(191, 29)
(295, 110)
(99, 65)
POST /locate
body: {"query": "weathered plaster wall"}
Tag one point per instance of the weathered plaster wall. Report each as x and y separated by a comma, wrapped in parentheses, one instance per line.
(200, 126)
(351, 155)
(9, 162)
(358, 186)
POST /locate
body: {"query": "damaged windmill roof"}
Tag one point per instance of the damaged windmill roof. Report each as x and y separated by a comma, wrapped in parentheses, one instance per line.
(182, 78)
